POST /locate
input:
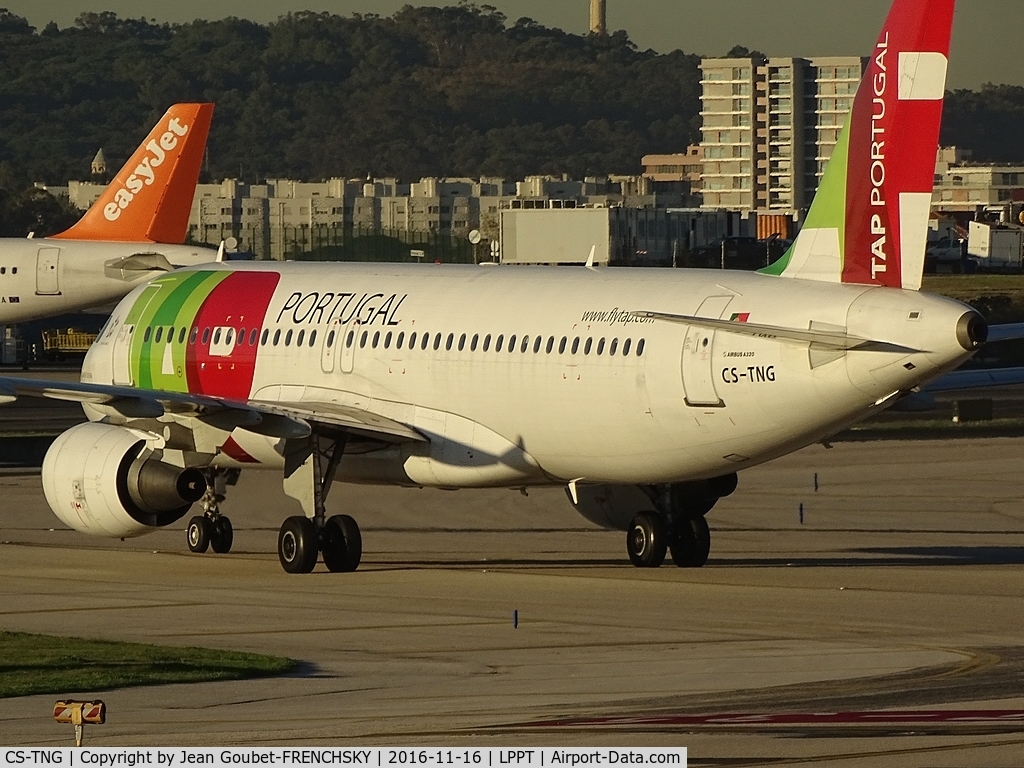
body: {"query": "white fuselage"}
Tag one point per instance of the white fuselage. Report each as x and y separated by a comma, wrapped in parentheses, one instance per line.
(44, 277)
(692, 404)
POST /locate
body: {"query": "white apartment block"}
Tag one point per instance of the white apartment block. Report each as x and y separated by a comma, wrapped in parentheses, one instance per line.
(769, 127)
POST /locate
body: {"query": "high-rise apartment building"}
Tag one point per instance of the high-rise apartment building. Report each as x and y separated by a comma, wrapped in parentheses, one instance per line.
(769, 128)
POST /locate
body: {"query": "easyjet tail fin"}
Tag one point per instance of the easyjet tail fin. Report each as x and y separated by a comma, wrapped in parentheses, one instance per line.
(150, 198)
(868, 222)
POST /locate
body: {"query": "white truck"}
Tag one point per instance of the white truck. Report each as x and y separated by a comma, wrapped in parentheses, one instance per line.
(996, 248)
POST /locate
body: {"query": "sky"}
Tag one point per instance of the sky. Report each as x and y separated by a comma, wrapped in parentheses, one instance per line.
(988, 39)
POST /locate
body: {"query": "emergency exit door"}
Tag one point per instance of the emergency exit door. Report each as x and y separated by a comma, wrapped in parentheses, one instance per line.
(697, 359)
(48, 272)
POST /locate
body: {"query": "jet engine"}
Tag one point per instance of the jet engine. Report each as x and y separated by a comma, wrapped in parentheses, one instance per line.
(104, 480)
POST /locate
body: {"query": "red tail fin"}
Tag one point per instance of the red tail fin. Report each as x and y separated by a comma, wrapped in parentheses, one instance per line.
(150, 198)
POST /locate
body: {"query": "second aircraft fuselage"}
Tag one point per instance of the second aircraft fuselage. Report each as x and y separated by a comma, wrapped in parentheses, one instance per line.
(522, 376)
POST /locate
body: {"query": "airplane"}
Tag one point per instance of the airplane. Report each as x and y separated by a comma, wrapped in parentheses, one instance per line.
(135, 230)
(642, 392)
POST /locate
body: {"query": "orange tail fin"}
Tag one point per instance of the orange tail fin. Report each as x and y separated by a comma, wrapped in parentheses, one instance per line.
(150, 198)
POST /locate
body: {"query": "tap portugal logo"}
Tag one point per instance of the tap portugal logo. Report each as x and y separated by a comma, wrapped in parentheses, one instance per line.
(145, 172)
(182, 341)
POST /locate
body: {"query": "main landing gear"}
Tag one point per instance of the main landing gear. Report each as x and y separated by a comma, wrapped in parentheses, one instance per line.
(678, 527)
(212, 529)
(310, 467)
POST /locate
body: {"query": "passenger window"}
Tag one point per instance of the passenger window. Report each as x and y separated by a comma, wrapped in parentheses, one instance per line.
(216, 336)
(625, 347)
(229, 338)
(14, 270)
(551, 344)
(206, 336)
(181, 335)
(437, 341)
(640, 347)
(376, 339)
(266, 334)
(387, 341)
(147, 334)
(241, 336)
(462, 342)
(575, 345)
(287, 338)
(600, 347)
(170, 334)
(512, 343)
(487, 342)
(3, 270)
(448, 344)
(253, 335)
(401, 340)
(412, 340)
(192, 336)
(330, 339)
(561, 345)
(473, 343)
(312, 337)
(159, 334)
(536, 344)
(350, 339)
(302, 335)
(586, 347)
(497, 344)
(613, 347)
(425, 342)
(362, 339)
(525, 345)
(277, 337)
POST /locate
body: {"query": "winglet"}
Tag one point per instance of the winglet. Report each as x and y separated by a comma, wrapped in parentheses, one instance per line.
(220, 252)
(590, 258)
(868, 223)
(151, 197)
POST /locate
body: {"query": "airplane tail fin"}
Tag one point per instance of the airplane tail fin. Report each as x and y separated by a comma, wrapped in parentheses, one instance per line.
(150, 198)
(868, 222)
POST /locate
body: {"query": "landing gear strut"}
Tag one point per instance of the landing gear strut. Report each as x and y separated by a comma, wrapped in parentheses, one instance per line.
(310, 467)
(212, 529)
(678, 526)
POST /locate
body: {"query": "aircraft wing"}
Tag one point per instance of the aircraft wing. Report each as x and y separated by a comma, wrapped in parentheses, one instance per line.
(274, 419)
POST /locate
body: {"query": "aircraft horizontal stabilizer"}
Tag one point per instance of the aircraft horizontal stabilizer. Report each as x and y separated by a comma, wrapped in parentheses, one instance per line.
(1005, 332)
(821, 339)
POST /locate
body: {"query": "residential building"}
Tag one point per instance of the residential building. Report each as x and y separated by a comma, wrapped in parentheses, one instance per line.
(769, 127)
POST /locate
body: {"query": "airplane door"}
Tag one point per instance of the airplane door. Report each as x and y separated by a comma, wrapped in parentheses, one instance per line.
(122, 356)
(334, 340)
(348, 351)
(48, 272)
(698, 374)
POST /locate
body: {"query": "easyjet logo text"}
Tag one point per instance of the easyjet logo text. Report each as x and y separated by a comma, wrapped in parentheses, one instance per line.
(145, 172)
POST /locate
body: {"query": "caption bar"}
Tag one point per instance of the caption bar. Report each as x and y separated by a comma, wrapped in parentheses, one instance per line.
(380, 757)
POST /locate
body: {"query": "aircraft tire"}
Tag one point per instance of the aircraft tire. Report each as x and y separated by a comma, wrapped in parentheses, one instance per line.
(297, 545)
(691, 543)
(198, 534)
(223, 535)
(647, 540)
(342, 544)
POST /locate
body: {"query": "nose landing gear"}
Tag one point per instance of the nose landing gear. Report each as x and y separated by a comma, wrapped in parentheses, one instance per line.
(212, 529)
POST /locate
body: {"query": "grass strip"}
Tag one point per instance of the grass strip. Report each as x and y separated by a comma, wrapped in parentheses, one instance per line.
(31, 664)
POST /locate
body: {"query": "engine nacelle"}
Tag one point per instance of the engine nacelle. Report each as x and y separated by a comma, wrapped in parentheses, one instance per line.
(101, 479)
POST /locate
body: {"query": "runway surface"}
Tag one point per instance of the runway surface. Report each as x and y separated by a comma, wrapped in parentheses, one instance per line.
(885, 630)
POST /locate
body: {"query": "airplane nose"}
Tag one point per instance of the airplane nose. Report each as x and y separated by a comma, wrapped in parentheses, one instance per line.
(971, 331)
